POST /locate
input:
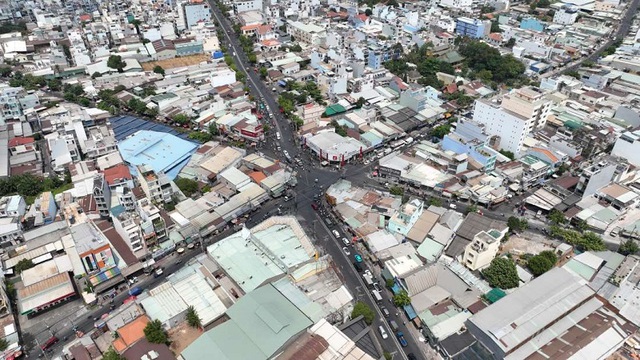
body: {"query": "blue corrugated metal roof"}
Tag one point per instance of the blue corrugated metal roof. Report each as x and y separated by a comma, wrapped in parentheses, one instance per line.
(161, 151)
(126, 125)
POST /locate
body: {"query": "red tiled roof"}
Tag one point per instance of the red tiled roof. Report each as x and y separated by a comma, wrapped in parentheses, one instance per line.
(20, 141)
(547, 153)
(263, 29)
(117, 172)
(85, 17)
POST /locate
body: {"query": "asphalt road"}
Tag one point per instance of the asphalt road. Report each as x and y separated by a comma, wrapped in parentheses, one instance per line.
(311, 180)
(621, 32)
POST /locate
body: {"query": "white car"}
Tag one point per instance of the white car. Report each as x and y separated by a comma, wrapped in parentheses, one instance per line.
(453, 206)
(346, 251)
(336, 233)
(368, 272)
(346, 241)
(383, 332)
(285, 152)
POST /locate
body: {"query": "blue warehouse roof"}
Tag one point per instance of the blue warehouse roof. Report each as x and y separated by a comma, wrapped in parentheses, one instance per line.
(161, 151)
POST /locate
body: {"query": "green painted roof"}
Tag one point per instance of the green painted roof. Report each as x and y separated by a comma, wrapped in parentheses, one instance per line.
(260, 323)
(430, 250)
(334, 109)
(495, 294)
(585, 271)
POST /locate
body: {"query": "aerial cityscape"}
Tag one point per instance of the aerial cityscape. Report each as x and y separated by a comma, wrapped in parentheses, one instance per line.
(320, 179)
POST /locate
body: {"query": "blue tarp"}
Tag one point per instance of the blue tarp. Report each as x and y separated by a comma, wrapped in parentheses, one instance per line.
(411, 313)
(396, 288)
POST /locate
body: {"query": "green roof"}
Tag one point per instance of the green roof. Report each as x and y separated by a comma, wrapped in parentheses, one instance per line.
(430, 250)
(495, 294)
(260, 324)
(335, 109)
(581, 269)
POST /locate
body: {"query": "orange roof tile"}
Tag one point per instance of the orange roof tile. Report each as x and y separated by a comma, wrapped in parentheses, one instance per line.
(20, 141)
(117, 172)
(132, 332)
(547, 153)
(250, 27)
(257, 176)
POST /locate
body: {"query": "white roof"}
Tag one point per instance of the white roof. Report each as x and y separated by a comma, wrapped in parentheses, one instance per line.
(234, 176)
(381, 240)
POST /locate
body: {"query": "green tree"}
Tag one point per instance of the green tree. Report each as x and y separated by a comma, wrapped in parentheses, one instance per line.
(401, 299)
(510, 43)
(182, 119)
(440, 131)
(192, 318)
(390, 283)
(591, 242)
(495, 27)
(435, 202)
(155, 333)
(4, 344)
(361, 308)
(200, 136)
(264, 72)
(502, 273)
(213, 130)
(557, 217)
(396, 190)
(515, 224)
(116, 62)
(543, 262)
(111, 354)
(471, 209)
(23, 265)
(508, 154)
(187, 186)
(629, 247)
(5, 71)
(158, 70)
(96, 75)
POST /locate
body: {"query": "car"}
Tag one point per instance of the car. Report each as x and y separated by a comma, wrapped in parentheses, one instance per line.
(410, 356)
(346, 250)
(358, 258)
(314, 206)
(49, 343)
(453, 206)
(376, 286)
(135, 291)
(368, 273)
(159, 271)
(385, 312)
(335, 233)
(401, 339)
(346, 241)
(286, 198)
(383, 332)
(191, 246)
(286, 153)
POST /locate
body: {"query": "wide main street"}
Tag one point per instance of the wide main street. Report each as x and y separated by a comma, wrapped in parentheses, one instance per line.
(310, 184)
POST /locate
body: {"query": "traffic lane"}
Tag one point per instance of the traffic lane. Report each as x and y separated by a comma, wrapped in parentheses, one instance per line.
(354, 281)
(86, 323)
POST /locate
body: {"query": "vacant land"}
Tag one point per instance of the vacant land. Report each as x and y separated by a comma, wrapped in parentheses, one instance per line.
(182, 336)
(175, 62)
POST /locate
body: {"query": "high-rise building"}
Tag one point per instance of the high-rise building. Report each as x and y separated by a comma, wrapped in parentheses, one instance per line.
(520, 112)
(196, 11)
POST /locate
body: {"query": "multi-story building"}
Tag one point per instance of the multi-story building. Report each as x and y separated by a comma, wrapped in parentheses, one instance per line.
(196, 11)
(102, 195)
(404, 219)
(566, 15)
(156, 186)
(10, 232)
(520, 112)
(152, 225)
(92, 246)
(379, 54)
(306, 33)
(246, 5)
(127, 225)
(484, 247)
(470, 138)
(529, 102)
(473, 28)
(597, 175)
(12, 206)
(628, 147)
(13, 102)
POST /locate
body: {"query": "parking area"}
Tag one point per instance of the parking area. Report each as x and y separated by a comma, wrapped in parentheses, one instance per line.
(39, 328)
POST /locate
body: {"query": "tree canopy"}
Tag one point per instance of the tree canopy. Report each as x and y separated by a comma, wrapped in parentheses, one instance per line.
(543, 262)
(187, 186)
(586, 241)
(116, 62)
(440, 131)
(557, 217)
(23, 265)
(502, 273)
(401, 299)
(193, 319)
(515, 224)
(629, 247)
(200, 136)
(155, 333)
(158, 70)
(480, 56)
(396, 190)
(361, 308)
(111, 354)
